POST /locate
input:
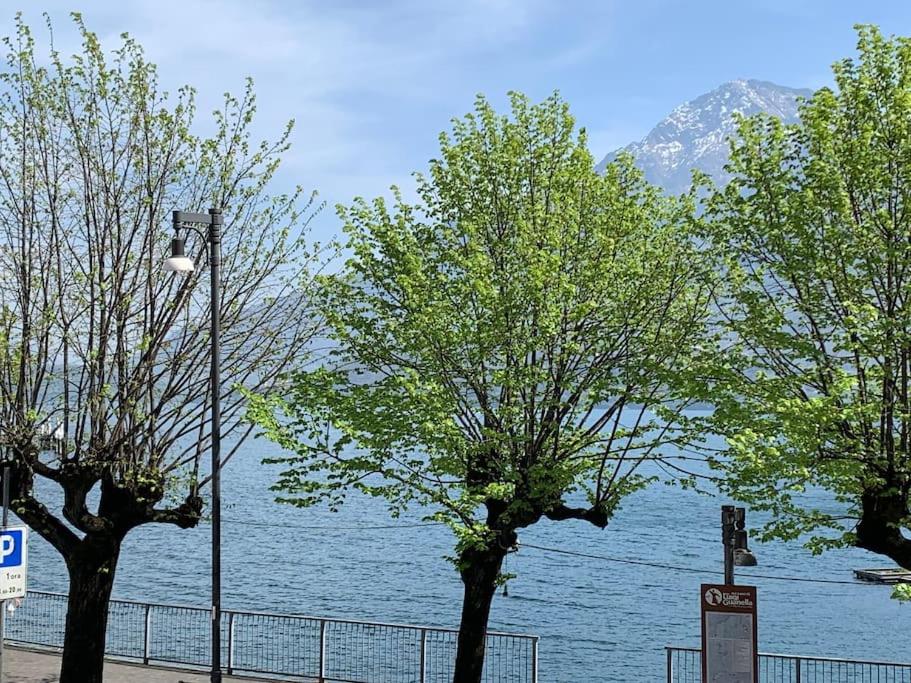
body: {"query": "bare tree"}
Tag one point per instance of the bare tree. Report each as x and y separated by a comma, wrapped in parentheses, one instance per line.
(104, 365)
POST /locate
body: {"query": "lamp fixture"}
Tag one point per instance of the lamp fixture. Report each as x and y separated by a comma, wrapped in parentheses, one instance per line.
(178, 262)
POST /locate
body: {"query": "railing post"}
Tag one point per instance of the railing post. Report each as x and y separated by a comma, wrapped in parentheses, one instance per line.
(230, 643)
(147, 635)
(797, 665)
(534, 660)
(423, 678)
(670, 665)
(322, 651)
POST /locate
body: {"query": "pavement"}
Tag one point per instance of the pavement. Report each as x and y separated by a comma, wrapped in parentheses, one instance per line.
(21, 665)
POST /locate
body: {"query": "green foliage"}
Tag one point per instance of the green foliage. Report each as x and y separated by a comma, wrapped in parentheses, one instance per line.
(813, 239)
(516, 341)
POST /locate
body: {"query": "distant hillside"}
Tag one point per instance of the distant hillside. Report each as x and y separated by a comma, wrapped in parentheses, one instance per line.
(695, 134)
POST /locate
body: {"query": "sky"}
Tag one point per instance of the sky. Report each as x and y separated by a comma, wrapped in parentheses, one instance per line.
(372, 83)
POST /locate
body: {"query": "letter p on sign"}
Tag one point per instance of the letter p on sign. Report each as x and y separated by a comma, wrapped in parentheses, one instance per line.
(13, 562)
(11, 547)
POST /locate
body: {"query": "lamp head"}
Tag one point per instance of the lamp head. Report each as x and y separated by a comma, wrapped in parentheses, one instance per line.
(743, 556)
(178, 262)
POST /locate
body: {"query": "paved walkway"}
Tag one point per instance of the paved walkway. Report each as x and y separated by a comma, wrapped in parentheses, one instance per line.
(32, 666)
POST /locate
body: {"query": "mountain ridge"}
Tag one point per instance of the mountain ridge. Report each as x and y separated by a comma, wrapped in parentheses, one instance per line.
(695, 134)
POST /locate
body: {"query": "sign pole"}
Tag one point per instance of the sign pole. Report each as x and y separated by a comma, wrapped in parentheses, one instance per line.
(6, 474)
(727, 537)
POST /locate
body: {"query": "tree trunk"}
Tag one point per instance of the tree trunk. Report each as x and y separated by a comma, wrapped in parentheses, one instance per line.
(883, 513)
(481, 568)
(91, 569)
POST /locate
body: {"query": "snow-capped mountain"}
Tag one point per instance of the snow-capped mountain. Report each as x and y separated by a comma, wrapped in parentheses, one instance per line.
(695, 134)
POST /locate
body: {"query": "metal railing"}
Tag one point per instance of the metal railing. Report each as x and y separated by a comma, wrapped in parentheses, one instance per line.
(314, 648)
(684, 665)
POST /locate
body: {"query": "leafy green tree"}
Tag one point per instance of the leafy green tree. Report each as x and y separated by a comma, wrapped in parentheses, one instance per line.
(104, 365)
(814, 241)
(511, 347)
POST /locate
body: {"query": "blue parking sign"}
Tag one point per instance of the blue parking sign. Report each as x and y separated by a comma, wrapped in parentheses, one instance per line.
(11, 542)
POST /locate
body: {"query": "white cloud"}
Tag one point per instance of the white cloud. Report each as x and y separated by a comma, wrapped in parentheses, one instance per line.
(352, 73)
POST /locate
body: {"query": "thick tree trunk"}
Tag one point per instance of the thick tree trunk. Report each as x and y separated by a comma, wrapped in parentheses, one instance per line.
(883, 514)
(91, 570)
(479, 576)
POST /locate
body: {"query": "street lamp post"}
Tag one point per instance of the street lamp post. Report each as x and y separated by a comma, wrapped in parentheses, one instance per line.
(734, 538)
(179, 263)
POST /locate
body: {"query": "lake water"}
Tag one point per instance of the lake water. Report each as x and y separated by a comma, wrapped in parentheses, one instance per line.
(598, 621)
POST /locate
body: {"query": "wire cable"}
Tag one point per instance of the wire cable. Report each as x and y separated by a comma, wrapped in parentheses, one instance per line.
(691, 570)
(556, 551)
(376, 527)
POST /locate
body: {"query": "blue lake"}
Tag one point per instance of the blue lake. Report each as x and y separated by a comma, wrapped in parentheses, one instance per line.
(598, 620)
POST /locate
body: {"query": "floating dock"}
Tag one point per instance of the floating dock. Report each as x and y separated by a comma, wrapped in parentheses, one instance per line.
(887, 576)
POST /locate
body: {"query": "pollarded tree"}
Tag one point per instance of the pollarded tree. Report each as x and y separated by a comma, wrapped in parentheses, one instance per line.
(104, 358)
(512, 347)
(814, 237)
